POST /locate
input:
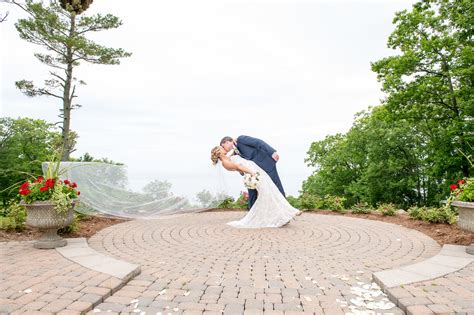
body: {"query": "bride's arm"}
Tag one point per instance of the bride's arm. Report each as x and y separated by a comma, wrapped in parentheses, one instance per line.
(231, 166)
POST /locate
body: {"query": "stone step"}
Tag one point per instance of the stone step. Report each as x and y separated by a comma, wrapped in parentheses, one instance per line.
(78, 251)
(451, 258)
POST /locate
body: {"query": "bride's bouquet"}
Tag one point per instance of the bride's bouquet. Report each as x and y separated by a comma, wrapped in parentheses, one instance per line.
(251, 181)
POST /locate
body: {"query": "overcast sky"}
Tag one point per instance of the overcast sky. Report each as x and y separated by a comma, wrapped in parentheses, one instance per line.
(288, 72)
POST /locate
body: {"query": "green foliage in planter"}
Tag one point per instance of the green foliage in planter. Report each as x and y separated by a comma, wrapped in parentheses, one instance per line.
(361, 208)
(14, 218)
(387, 209)
(434, 215)
(467, 192)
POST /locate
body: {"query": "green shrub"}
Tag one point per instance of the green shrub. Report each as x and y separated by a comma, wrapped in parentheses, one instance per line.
(434, 215)
(295, 202)
(440, 215)
(387, 209)
(230, 203)
(74, 226)
(6, 224)
(311, 202)
(416, 212)
(361, 208)
(226, 203)
(333, 203)
(14, 219)
(241, 202)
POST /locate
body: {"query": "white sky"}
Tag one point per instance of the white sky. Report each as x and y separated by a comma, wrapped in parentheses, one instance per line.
(288, 72)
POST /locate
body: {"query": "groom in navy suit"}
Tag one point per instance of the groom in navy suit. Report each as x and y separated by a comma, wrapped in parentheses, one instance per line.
(259, 152)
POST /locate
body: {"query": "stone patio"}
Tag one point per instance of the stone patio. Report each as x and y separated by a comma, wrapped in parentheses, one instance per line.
(195, 264)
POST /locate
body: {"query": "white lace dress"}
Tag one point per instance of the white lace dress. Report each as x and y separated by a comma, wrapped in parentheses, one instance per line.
(271, 209)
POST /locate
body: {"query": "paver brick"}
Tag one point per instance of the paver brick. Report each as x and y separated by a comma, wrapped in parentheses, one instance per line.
(206, 266)
(418, 310)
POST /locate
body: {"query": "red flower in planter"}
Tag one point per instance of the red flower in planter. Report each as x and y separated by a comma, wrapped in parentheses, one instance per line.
(24, 192)
(24, 186)
(67, 182)
(49, 183)
(39, 179)
(78, 193)
(453, 187)
(461, 182)
(74, 185)
(44, 188)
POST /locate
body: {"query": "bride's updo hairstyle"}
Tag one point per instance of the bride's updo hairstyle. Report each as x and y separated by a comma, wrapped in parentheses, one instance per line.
(215, 153)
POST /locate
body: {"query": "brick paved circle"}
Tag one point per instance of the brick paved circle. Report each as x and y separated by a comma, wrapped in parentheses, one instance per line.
(197, 263)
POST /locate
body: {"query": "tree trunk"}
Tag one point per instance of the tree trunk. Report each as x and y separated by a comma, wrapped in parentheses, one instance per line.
(454, 104)
(66, 150)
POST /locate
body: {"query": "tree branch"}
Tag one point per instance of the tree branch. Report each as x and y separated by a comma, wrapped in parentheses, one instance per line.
(40, 41)
(58, 76)
(4, 17)
(72, 94)
(46, 92)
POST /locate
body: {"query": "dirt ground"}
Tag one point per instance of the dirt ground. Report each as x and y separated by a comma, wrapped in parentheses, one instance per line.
(87, 227)
(442, 233)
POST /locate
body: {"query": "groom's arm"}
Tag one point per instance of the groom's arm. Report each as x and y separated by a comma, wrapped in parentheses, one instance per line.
(256, 143)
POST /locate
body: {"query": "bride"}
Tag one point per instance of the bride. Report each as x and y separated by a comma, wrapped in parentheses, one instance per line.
(271, 208)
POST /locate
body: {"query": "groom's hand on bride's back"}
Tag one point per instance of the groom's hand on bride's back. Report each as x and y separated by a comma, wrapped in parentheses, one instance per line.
(275, 156)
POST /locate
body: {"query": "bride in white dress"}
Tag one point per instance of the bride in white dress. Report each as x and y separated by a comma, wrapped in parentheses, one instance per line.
(271, 208)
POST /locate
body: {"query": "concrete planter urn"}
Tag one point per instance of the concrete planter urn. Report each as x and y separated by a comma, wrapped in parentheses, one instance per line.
(43, 215)
(466, 219)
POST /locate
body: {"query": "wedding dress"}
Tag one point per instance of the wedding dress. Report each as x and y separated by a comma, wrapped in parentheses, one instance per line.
(271, 208)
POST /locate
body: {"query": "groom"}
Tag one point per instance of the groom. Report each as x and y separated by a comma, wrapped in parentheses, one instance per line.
(259, 152)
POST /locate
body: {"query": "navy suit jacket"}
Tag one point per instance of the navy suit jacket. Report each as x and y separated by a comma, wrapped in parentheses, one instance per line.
(258, 151)
(261, 153)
